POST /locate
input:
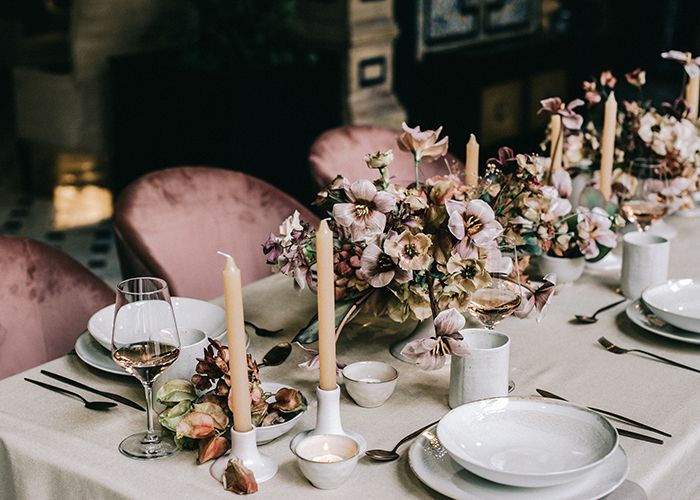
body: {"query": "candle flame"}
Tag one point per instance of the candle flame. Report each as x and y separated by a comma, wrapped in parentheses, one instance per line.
(325, 446)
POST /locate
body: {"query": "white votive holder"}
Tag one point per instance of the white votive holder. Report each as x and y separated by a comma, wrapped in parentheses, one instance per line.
(328, 418)
(326, 460)
(370, 383)
(244, 447)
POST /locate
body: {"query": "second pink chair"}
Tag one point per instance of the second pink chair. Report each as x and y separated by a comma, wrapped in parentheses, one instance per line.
(341, 151)
(171, 223)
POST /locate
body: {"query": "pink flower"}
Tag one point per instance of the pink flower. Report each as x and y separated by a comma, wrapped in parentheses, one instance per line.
(430, 353)
(313, 361)
(474, 224)
(594, 228)
(365, 214)
(569, 118)
(380, 268)
(423, 145)
(692, 66)
(411, 251)
(539, 299)
(591, 95)
(561, 180)
(607, 79)
(637, 77)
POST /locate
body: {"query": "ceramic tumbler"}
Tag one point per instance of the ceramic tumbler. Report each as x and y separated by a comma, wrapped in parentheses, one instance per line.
(644, 262)
(483, 371)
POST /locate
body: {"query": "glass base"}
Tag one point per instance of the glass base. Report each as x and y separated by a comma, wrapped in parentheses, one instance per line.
(137, 446)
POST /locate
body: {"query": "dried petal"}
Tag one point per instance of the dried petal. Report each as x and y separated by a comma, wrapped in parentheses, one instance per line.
(174, 391)
(170, 417)
(272, 418)
(196, 425)
(238, 478)
(212, 447)
(216, 412)
(288, 400)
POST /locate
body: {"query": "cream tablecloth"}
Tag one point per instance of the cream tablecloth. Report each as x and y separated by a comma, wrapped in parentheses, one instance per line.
(51, 447)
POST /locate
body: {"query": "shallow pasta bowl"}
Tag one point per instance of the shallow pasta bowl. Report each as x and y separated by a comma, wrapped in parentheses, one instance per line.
(526, 442)
(189, 313)
(677, 302)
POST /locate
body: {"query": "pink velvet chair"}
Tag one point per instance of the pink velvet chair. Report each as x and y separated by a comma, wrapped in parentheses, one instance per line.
(172, 222)
(46, 299)
(341, 151)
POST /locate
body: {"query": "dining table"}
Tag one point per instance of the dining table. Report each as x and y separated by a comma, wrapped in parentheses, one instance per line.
(52, 447)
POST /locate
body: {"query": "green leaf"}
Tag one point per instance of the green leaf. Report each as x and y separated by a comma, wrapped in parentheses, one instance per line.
(309, 333)
(603, 251)
(591, 198)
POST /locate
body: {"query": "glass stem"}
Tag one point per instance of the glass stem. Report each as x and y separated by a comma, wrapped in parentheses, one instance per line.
(151, 436)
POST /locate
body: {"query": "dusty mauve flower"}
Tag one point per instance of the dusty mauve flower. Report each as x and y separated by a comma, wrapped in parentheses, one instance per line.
(474, 224)
(594, 228)
(569, 118)
(412, 251)
(379, 159)
(379, 268)
(423, 144)
(467, 274)
(365, 214)
(636, 77)
(429, 353)
(692, 66)
(538, 299)
(591, 93)
(238, 478)
(607, 79)
(561, 180)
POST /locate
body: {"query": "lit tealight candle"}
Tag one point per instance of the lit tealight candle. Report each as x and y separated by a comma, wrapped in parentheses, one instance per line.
(327, 458)
(327, 449)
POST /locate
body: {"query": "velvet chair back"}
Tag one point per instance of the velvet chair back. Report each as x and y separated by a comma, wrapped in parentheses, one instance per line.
(171, 223)
(341, 151)
(46, 299)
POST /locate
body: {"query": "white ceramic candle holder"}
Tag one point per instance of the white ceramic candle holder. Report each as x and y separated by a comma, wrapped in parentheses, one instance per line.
(328, 417)
(244, 446)
(327, 461)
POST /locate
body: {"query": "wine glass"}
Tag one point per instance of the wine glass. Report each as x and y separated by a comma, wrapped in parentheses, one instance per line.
(493, 303)
(145, 342)
(642, 200)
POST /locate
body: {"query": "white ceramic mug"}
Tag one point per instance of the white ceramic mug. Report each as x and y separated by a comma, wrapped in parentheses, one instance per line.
(483, 371)
(644, 262)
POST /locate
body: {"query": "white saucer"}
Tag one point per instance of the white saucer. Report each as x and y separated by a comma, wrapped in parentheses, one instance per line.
(93, 354)
(434, 467)
(637, 314)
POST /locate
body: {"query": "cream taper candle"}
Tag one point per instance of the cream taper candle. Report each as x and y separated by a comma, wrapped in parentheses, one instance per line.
(239, 395)
(326, 306)
(692, 96)
(556, 140)
(472, 163)
(607, 145)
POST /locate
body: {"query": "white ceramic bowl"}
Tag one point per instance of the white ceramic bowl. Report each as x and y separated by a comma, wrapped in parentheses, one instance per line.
(189, 313)
(326, 475)
(567, 270)
(370, 383)
(677, 302)
(527, 442)
(269, 433)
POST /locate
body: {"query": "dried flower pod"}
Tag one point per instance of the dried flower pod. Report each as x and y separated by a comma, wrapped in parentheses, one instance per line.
(174, 391)
(212, 448)
(170, 417)
(215, 411)
(272, 418)
(201, 382)
(197, 425)
(238, 478)
(288, 400)
(222, 388)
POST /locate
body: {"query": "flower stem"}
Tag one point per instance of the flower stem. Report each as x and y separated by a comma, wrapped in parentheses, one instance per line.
(358, 303)
(417, 166)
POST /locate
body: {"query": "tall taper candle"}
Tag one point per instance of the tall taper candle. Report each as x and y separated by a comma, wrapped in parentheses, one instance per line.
(239, 396)
(607, 145)
(692, 96)
(326, 305)
(556, 140)
(471, 177)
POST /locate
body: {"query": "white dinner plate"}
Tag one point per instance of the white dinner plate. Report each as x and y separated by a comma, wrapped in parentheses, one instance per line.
(93, 354)
(433, 466)
(189, 313)
(638, 315)
(676, 302)
(527, 441)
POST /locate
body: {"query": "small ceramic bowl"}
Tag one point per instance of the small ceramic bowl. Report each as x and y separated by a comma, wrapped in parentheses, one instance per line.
(567, 270)
(269, 433)
(326, 460)
(370, 383)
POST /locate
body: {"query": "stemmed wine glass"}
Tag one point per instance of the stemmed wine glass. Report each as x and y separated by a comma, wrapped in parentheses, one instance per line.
(495, 302)
(145, 342)
(643, 202)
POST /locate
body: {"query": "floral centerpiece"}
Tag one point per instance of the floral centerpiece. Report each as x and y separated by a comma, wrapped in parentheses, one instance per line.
(204, 421)
(408, 252)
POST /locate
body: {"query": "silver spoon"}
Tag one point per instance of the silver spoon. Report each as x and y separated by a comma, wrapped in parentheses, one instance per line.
(592, 319)
(92, 405)
(277, 355)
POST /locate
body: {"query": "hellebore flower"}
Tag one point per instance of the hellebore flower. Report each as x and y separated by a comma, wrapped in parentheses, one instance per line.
(474, 224)
(423, 144)
(569, 118)
(380, 268)
(379, 159)
(429, 353)
(411, 251)
(365, 215)
(692, 66)
(636, 77)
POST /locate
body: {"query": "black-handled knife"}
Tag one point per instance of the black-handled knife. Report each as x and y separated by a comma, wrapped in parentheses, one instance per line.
(636, 435)
(104, 394)
(628, 420)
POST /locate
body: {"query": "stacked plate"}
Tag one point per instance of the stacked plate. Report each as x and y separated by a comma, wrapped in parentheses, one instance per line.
(671, 310)
(94, 346)
(520, 448)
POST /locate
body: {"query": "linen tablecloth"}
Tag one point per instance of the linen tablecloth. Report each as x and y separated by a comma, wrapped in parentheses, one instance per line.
(51, 447)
